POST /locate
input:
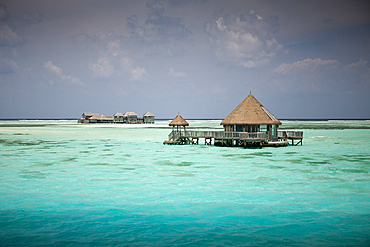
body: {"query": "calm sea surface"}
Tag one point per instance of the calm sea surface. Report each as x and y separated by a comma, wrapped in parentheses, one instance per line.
(63, 183)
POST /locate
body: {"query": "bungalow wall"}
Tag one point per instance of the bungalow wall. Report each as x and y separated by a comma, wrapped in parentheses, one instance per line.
(118, 119)
(148, 119)
(271, 130)
(130, 119)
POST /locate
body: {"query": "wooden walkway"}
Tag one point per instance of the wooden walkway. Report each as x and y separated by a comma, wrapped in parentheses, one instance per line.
(231, 139)
(291, 135)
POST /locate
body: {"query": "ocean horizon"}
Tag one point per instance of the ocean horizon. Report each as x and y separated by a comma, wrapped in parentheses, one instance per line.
(69, 184)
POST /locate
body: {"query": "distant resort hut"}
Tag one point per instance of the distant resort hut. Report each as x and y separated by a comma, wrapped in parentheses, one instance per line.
(118, 117)
(88, 117)
(130, 117)
(177, 122)
(251, 116)
(148, 118)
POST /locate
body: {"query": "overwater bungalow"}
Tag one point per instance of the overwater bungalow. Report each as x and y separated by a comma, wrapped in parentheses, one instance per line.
(88, 117)
(118, 117)
(148, 117)
(250, 116)
(250, 124)
(128, 117)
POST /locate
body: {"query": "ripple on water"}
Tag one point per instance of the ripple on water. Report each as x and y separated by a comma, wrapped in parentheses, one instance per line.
(326, 179)
(169, 163)
(128, 168)
(71, 159)
(106, 155)
(296, 161)
(183, 174)
(349, 170)
(102, 164)
(43, 164)
(276, 167)
(27, 174)
(266, 179)
(248, 155)
(7, 142)
(320, 162)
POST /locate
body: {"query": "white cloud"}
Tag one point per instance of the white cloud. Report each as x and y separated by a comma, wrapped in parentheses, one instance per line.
(321, 76)
(360, 64)
(59, 72)
(102, 68)
(113, 48)
(173, 73)
(7, 66)
(221, 24)
(55, 69)
(306, 64)
(246, 40)
(158, 29)
(136, 73)
(217, 90)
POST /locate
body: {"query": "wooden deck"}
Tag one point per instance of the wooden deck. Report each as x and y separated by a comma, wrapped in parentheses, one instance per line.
(291, 135)
(232, 139)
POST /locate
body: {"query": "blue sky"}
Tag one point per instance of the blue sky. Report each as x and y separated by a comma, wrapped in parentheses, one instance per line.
(199, 58)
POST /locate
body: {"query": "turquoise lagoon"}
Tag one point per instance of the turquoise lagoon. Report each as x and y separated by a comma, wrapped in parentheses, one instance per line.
(68, 184)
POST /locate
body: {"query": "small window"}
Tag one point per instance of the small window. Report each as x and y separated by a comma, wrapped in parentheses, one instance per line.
(263, 128)
(273, 131)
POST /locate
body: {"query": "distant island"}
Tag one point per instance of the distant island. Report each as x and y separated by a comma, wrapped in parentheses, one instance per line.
(128, 117)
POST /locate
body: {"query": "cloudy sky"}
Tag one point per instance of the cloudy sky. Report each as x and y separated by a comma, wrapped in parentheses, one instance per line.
(201, 58)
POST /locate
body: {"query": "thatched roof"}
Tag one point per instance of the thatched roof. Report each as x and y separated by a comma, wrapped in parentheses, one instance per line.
(91, 115)
(102, 117)
(178, 121)
(250, 112)
(118, 114)
(130, 114)
(148, 114)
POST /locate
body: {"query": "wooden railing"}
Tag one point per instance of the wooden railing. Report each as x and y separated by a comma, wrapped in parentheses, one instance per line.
(218, 135)
(290, 134)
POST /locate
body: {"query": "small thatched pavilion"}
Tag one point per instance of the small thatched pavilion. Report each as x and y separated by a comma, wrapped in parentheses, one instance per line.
(178, 121)
(251, 116)
(148, 117)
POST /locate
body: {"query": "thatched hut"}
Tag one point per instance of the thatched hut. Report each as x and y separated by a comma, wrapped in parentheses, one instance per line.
(130, 117)
(105, 119)
(88, 117)
(251, 116)
(118, 117)
(148, 117)
(178, 121)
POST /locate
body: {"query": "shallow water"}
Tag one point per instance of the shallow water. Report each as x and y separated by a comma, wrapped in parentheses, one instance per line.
(64, 183)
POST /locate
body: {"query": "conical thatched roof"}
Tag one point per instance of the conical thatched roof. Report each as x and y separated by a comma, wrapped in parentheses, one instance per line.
(178, 121)
(250, 112)
(148, 114)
